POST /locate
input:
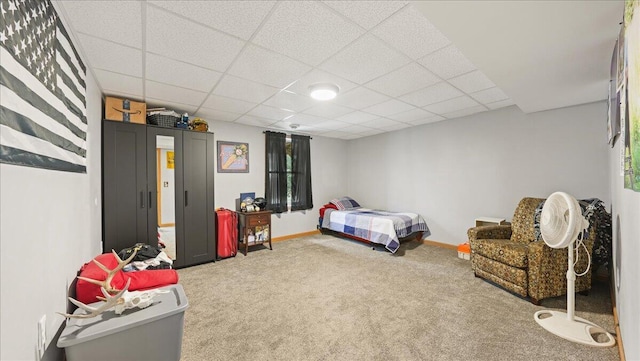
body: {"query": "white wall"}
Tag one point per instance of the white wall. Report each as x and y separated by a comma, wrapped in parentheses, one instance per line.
(328, 171)
(626, 252)
(453, 171)
(50, 224)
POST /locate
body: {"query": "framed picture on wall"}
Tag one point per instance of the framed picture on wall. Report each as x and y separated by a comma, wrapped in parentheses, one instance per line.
(233, 157)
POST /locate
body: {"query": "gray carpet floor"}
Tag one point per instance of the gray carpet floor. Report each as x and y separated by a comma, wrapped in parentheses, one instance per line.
(328, 298)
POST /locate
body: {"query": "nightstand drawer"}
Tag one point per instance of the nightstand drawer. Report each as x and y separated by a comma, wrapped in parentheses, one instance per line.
(258, 220)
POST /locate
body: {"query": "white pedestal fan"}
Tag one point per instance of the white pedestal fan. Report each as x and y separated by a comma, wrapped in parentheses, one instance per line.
(561, 224)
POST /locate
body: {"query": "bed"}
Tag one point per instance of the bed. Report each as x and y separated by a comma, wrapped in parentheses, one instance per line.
(346, 217)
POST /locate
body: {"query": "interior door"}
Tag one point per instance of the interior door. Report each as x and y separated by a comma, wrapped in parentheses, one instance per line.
(199, 213)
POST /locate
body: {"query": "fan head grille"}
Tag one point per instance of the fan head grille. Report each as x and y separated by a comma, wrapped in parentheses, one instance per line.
(561, 220)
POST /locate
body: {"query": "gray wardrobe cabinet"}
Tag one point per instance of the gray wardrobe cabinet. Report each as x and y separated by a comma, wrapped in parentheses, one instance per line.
(135, 199)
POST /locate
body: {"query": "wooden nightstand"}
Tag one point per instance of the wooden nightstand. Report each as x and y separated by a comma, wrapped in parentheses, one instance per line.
(254, 228)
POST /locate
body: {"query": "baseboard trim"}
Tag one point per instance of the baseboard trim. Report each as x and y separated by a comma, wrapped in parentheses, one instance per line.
(440, 244)
(295, 235)
(616, 322)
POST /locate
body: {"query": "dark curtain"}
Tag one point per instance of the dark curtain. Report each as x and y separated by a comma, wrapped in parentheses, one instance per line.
(301, 195)
(276, 172)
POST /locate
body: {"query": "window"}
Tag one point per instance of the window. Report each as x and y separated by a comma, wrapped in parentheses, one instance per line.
(288, 172)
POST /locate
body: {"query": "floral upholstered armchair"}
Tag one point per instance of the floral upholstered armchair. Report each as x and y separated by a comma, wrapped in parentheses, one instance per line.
(511, 257)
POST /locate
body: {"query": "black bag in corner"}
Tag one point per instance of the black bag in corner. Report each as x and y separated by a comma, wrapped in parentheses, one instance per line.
(145, 252)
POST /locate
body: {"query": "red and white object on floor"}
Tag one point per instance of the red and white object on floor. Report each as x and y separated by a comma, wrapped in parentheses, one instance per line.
(464, 251)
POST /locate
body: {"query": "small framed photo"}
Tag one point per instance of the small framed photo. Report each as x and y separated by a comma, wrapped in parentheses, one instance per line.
(233, 157)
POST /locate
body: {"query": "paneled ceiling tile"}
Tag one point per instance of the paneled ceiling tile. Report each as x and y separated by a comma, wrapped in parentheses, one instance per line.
(114, 82)
(355, 129)
(237, 88)
(465, 112)
(360, 98)
(215, 114)
(307, 31)
(173, 94)
(432, 119)
(352, 136)
(305, 119)
(500, 104)
(380, 123)
(331, 125)
(371, 132)
(411, 115)
(378, 57)
(115, 21)
(239, 18)
(318, 76)
(254, 121)
(367, 13)
(389, 107)
(357, 117)
(490, 95)
(267, 67)
(410, 32)
(181, 39)
(404, 80)
(228, 104)
(472, 82)
(286, 126)
(181, 74)
(447, 62)
(336, 134)
(263, 111)
(396, 126)
(290, 101)
(106, 55)
(177, 107)
(451, 105)
(433, 94)
(328, 110)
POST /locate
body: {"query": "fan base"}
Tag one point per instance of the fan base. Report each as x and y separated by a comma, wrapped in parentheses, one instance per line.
(577, 330)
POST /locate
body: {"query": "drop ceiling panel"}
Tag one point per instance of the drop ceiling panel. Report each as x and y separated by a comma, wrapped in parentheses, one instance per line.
(360, 98)
(237, 88)
(228, 104)
(378, 57)
(500, 104)
(110, 56)
(337, 134)
(267, 67)
(177, 107)
(328, 110)
(433, 94)
(290, 101)
(410, 32)
(366, 13)
(305, 119)
(275, 114)
(451, 105)
(465, 112)
(215, 114)
(255, 121)
(355, 129)
(357, 117)
(433, 119)
(411, 115)
(395, 126)
(112, 83)
(447, 62)
(115, 21)
(389, 107)
(331, 125)
(472, 82)
(238, 18)
(178, 38)
(180, 74)
(490, 95)
(307, 31)
(380, 123)
(174, 94)
(318, 76)
(404, 80)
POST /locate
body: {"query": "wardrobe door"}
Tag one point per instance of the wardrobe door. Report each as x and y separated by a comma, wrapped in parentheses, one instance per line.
(199, 213)
(124, 172)
(164, 176)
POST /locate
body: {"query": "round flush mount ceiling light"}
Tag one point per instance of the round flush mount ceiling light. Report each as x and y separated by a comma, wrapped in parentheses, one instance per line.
(323, 91)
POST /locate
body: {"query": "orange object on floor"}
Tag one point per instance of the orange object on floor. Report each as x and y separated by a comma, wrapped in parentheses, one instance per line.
(464, 251)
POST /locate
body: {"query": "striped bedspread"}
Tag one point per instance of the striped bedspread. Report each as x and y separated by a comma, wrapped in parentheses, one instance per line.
(375, 226)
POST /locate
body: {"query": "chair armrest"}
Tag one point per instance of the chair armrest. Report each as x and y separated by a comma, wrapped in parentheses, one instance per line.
(489, 232)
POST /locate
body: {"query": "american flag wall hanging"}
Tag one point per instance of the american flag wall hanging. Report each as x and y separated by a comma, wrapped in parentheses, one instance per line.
(43, 120)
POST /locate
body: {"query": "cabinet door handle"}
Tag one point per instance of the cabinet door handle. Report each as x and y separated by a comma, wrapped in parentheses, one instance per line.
(150, 200)
(186, 198)
(141, 199)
